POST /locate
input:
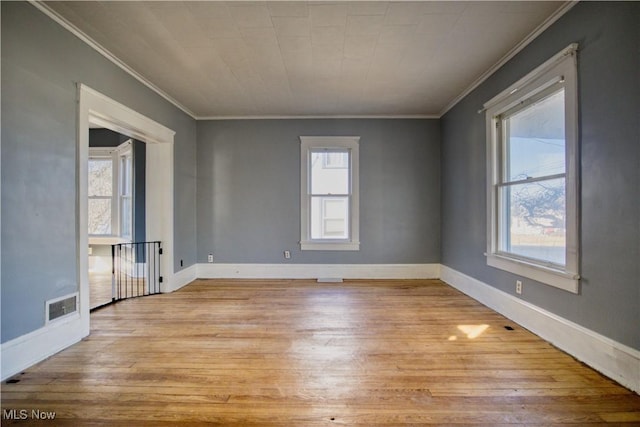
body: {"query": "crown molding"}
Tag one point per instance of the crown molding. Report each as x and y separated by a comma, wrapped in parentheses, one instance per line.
(316, 117)
(44, 8)
(564, 8)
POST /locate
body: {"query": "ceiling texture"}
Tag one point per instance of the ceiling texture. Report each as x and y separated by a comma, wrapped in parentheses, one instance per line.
(310, 59)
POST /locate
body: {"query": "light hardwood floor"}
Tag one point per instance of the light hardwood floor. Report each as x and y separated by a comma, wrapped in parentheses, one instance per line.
(299, 353)
(99, 289)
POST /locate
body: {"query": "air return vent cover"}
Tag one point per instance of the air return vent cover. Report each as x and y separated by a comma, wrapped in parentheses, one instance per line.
(61, 307)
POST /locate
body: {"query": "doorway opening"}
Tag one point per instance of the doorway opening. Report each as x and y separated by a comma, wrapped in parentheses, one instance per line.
(98, 111)
(116, 207)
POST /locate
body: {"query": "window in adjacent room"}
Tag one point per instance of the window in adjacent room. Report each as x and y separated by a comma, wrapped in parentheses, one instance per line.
(533, 178)
(110, 191)
(329, 193)
(100, 193)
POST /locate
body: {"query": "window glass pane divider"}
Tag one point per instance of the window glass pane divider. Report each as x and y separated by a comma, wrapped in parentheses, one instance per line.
(555, 85)
(532, 180)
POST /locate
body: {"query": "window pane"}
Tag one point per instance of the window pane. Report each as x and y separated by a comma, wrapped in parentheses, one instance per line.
(126, 216)
(100, 216)
(329, 217)
(534, 225)
(100, 177)
(328, 179)
(535, 139)
(336, 160)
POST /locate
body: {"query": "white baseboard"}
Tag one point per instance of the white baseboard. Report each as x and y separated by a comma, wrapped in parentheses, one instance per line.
(182, 278)
(27, 350)
(314, 271)
(613, 359)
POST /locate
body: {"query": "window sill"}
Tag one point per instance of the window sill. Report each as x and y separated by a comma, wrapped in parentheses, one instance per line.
(569, 282)
(329, 246)
(107, 240)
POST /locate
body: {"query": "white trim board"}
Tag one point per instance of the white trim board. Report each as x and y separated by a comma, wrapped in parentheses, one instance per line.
(314, 271)
(182, 278)
(320, 117)
(95, 107)
(27, 350)
(613, 359)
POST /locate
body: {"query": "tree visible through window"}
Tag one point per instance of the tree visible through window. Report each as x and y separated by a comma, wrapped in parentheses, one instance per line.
(533, 188)
(110, 191)
(532, 182)
(100, 195)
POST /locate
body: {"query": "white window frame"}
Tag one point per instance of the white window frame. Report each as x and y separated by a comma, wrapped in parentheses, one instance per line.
(125, 187)
(314, 143)
(561, 71)
(115, 154)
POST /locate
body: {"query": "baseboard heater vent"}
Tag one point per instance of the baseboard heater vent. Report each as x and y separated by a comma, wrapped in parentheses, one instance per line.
(61, 307)
(329, 280)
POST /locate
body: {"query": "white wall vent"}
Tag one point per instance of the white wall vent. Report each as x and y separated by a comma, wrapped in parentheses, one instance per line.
(58, 308)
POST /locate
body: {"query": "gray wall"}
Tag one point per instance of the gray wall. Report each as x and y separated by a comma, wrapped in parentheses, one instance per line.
(109, 138)
(41, 64)
(249, 190)
(609, 91)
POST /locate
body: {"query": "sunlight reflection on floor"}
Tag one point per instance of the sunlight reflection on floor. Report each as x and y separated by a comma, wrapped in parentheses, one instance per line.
(471, 331)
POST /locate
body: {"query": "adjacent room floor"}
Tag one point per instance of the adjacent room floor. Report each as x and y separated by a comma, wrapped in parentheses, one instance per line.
(299, 353)
(100, 292)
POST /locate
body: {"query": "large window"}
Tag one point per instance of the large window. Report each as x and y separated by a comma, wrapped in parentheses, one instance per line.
(533, 179)
(329, 196)
(110, 192)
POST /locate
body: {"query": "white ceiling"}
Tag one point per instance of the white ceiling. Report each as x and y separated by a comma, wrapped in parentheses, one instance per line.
(356, 58)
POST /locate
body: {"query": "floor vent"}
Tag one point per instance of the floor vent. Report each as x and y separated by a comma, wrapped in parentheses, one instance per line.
(61, 307)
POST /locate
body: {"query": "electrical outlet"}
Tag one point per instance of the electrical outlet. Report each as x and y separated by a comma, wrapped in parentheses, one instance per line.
(287, 254)
(518, 286)
(210, 258)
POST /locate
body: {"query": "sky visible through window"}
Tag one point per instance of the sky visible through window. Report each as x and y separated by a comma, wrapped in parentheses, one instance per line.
(535, 149)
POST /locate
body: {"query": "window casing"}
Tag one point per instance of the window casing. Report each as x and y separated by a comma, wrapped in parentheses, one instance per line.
(533, 182)
(329, 193)
(110, 192)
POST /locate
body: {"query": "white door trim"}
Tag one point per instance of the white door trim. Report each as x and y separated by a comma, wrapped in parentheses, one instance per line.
(99, 109)
(94, 107)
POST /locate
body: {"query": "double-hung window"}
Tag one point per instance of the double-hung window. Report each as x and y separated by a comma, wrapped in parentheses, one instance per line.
(532, 183)
(110, 192)
(329, 193)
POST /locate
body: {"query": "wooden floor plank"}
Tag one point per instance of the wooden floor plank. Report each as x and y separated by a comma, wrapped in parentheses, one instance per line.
(298, 353)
